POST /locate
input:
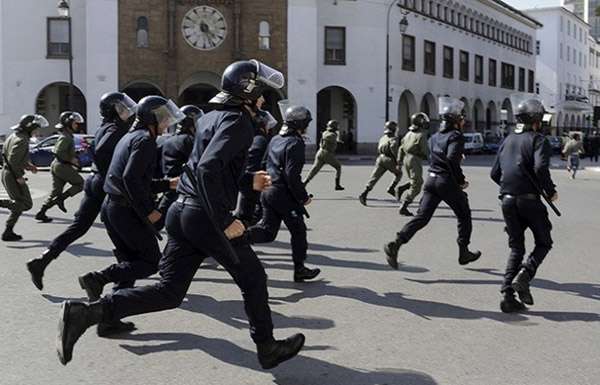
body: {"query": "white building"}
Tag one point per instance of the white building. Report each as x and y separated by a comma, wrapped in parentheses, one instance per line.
(34, 70)
(480, 51)
(564, 67)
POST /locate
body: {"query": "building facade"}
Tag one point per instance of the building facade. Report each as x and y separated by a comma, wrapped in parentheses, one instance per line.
(34, 68)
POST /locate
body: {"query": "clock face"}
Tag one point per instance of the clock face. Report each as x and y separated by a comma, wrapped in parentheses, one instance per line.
(204, 28)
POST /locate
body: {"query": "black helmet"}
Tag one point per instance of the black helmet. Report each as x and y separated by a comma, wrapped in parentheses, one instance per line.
(333, 125)
(246, 80)
(297, 118)
(528, 109)
(190, 123)
(67, 118)
(116, 105)
(29, 123)
(157, 111)
(265, 122)
(451, 111)
(390, 128)
(419, 120)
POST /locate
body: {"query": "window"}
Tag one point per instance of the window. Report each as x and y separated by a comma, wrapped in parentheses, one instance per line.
(569, 27)
(561, 50)
(568, 53)
(562, 21)
(335, 45)
(448, 62)
(492, 73)
(58, 38)
(141, 35)
(429, 58)
(464, 66)
(264, 35)
(508, 76)
(522, 79)
(478, 69)
(408, 53)
(531, 82)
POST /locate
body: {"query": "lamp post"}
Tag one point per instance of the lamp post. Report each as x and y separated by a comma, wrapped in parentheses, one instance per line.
(64, 11)
(403, 26)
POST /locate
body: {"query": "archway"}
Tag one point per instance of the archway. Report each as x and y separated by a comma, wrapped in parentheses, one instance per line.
(198, 95)
(566, 123)
(53, 99)
(573, 123)
(429, 106)
(491, 119)
(557, 123)
(140, 89)
(578, 123)
(507, 116)
(478, 122)
(337, 103)
(467, 114)
(407, 106)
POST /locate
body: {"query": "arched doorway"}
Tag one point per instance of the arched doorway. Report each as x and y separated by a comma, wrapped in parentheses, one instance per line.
(478, 122)
(53, 99)
(508, 119)
(572, 125)
(566, 123)
(467, 114)
(140, 89)
(198, 95)
(557, 123)
(429, 106)
(337, 103)
(578, 123)
(407, 106)
(491, 119)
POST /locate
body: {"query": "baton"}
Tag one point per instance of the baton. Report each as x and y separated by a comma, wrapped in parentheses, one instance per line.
(539, 189)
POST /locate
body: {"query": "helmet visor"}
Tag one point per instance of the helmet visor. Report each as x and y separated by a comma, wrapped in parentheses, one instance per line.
(283, 106)
(40, 121)
(77, 118)
(268, 76)
(450, 106)
(269, 121)
(168, 114)
(125, 108)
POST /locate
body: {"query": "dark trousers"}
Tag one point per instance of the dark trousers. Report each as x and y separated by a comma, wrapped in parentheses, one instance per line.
(89, 208)
(249, 209)
(279, 206)
(136, 247)
(437, 189)
(167, 199)
(520, 215)
(191, 239)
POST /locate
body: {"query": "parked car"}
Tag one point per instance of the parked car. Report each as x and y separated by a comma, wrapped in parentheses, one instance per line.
(41, 153)
(491, 144)
(555, 144)
(473, 142)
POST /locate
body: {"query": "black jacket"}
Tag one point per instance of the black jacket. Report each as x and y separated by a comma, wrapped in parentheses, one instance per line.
(257, 153)
(218, 160)
(445, 154)
(175, 152)
(285, 162)
(533, 152)
(105, 141)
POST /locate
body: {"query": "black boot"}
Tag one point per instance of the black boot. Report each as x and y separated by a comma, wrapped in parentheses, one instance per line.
(93, 284)
(37, 266)
(509, 304)
(392, 191)
(60, 202)
(362, 198)
(391, 252)
(338, 186)
(521, 286)
(465, 256)
(107, 329)
(272, 353)
(9, 235)
(75, 318)
(41, 215)
(401, 190)
(404, 210)
(304, 273)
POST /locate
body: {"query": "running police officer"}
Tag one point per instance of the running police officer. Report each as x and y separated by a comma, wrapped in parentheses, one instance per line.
(128, 210)
(326, 155)
(15, 155)
(446, 183)
(286, 198)
(522, 171)
(64, 166)
(116, 110)
(200, 224)
(175, 152)
(386, 161)
(413, 150)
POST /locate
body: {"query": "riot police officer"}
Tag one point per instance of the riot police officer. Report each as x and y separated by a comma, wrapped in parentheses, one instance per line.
(386, 161)
(175, 151)
(200, 224)
(15, 155)
(522, 171)
(413, 150)
(326, 155)
(446, 183)
(64, 166)
(116, 109)
(286, 199)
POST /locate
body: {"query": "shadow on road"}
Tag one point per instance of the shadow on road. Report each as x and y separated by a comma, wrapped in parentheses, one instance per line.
(475, 219)
(322, 260)
(299, 370)
(318, 247)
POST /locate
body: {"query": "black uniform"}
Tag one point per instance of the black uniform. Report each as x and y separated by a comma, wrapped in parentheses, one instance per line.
(444, 184)
(218, 158)
(247, 209)
(521, 204)
(285, 199)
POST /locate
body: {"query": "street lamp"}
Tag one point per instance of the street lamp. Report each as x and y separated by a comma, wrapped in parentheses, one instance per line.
(403, 27)
(64, 11)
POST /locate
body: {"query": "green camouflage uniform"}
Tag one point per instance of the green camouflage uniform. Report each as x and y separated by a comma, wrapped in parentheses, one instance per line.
(326, 155)
(413, 150)
(386, 161)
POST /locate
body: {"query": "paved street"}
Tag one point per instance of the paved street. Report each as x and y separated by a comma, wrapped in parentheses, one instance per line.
(432, 322)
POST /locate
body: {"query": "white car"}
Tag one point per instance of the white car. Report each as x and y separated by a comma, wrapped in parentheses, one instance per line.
(473, 142)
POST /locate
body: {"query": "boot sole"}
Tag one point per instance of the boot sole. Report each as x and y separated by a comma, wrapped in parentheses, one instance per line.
(526, 298)
(300, 280)
(463, 263)
(63, 324)
(109, 332)
(509, 310)
(91, 296)
(39, 285)
(393, 262)
(292, 354)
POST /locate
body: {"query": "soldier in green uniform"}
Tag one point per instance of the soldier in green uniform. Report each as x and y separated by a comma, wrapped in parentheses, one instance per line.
(387, 151)
(413, 150)
(64, 166)
(326, 154)
(15, 155)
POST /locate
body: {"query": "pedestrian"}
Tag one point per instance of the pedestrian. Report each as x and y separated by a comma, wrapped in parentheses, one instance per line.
(64, 167)
(200, 224)
(286, 199)
(595, 147)
(573, 150)
(522, 170)
(15, 154)
(116, 109)
(326, 155)
(387, 150)
(413, 151)
(446, 183)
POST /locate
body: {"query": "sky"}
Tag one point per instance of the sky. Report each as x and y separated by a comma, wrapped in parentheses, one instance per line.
(525, 4)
